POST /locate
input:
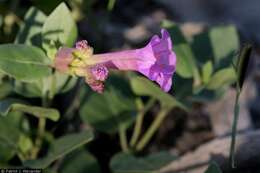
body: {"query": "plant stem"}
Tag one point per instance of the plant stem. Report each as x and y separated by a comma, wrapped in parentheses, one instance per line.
(140, 117)
(137, 128)
(152, 129)
(111, 4)
(240, 68)
(40, 131)
(234, 129)
(52, 89)
(75, 103)
(38, 140)
(123, 139)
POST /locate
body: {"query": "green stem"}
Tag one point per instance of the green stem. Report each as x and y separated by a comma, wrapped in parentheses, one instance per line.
(111, 4)
(75, 102)
(21, 156)
(52, 88)
(40, 131)
(38, 140)
(140, 117)
(123, 139)
(234, 128)
(152, 129)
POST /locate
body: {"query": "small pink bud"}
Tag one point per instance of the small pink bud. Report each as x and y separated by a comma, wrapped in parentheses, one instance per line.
(83, 44)
(99, 72)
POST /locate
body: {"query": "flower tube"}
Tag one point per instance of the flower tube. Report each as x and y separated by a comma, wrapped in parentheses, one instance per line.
(156, 61)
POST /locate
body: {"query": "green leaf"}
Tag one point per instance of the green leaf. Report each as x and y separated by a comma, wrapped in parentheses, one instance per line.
(9, 136)
(125, 163)
(186, 66)
(7, 152)
(186, 63)
(61, 147)
(218, 44)
(202, 47)
(15, 105)
(108, 111)
(182, 87)
(222, 78)
(213, 168)
(30, 31)
(207, 70)
(175, 32)
(59, 29)
(57, 83)
(48, 170)
(23, 62)
(225, 42)
(25, 144)
(29, 89)
(111, 4)
(242, 64)
(80, 162)
(39, 112)
(62, 83)
(6, 89)
(47, 6)
(144, 87)
(1, 21)
(205, 95)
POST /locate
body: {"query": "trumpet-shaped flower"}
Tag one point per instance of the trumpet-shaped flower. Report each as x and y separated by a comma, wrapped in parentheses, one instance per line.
(156, 61)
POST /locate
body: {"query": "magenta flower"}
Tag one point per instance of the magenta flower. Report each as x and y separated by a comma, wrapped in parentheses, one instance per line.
(156, 61)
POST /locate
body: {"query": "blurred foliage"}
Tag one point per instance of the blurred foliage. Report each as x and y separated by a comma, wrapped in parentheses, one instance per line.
(60, 147)
(205, 64)
(10, 104)
(80, 161)
(111, 110)
(204, 72)
(56, 31)
(149, 164)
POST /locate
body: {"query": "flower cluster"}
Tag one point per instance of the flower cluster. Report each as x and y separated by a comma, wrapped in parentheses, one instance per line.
(156, 61)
